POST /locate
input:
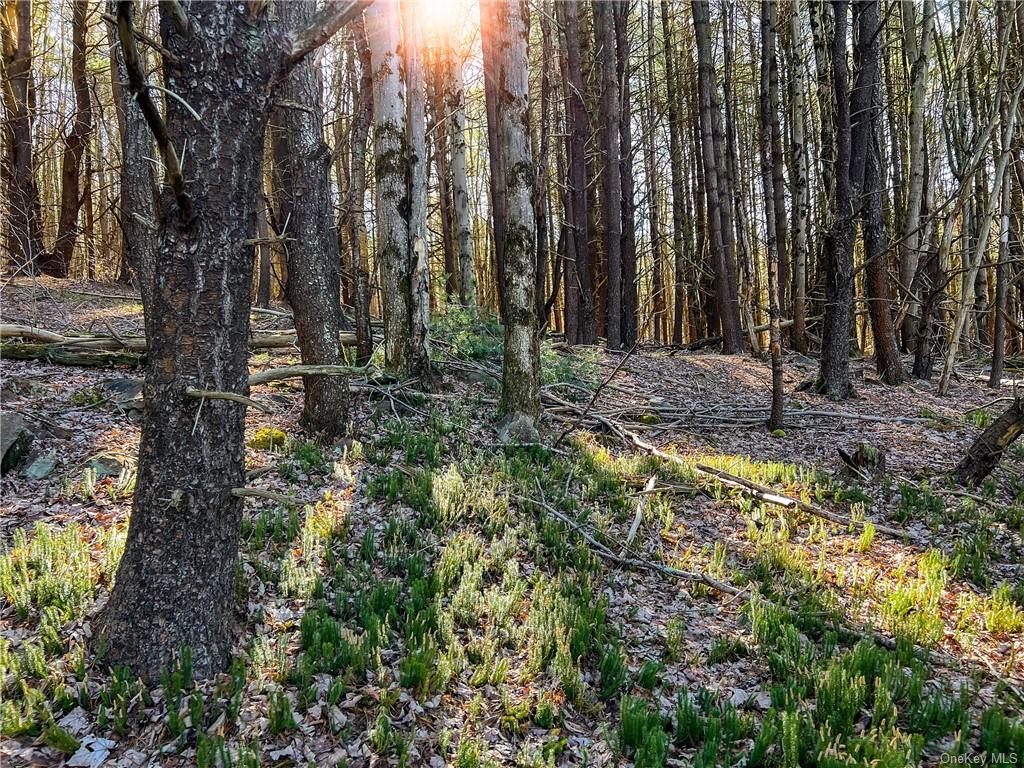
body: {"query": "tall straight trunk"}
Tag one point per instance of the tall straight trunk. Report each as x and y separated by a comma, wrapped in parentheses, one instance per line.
(301, 177)
(834, 371)
(456, 108)
(541, 191)
(724, 278)
(866, 183)
(917, 47)
(438, 130)
(264, 258)
(392, 175)
(175, 584)
(57, 262)
(630, 299)
(520, 380)
(800, 177)
(611, 178)
(355, 218)
(676, 168)
(579, 298)
(769, 125)
(488, 20)
(24, 223)
(137, 203)
(653, 201)
(416, 126)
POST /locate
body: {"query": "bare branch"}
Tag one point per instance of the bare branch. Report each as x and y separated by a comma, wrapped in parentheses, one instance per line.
(173, 9)
(139, 89)
(323, 25)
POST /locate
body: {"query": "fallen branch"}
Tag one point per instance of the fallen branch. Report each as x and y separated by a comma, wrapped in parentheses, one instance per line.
(634, 563)
(205, 394)
(262, 493)
(30, 332)
(297, 371)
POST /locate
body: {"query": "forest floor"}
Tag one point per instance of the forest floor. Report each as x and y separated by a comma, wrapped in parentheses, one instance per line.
(432, 596)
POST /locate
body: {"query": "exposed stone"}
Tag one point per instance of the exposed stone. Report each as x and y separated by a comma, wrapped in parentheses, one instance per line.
(518, 429)
(15, 440)
(42, 466)
(105, 466)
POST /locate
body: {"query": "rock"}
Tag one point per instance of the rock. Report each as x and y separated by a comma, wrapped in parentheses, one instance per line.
(42, 466)
(93, 753)
(123, 391)
(105, 465)
(518, 429)
(15, 440)
(22, 386)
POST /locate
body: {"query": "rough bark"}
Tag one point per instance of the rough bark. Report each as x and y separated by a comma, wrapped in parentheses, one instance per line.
(301, 178)
(24, 222)
(834, 371)
(489, 20)
(611, 177)
(985, 452)
(579, 301)
(419, 268)
(676, 170)
(463, 224)
(724, 278)
(653, 200)
(175, 585)
(630, 298)
(57, 262)
(355, 214)
(137, 213)
(391, 173)
(866, 182)
(799, 175)
(769, 159)
(520, 384)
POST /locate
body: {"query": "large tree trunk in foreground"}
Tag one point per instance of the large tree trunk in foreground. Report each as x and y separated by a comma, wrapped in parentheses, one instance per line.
(984, 454)
(58, 261)
(175, 585)
(520, 381)
(24, 222)
(301, 166)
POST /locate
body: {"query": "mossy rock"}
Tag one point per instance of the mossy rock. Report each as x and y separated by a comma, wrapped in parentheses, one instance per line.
(650, 418)
(267, 438)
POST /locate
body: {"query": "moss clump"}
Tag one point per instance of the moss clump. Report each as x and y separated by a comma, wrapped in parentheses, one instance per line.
(267, 438)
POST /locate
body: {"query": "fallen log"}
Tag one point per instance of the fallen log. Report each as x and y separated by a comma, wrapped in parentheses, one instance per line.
(985, 452)
(60, 354)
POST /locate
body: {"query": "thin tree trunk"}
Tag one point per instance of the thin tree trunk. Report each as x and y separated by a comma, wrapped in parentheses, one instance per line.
(676, 169)
(24, 223)
(630, 299)
(301, 179)
(653, 201)
(520, 381)
(355, 215)
(58, 261)
(611, 176)
(456, 102)
(799, 175)
(769, 125)
(725, 294)
(488, 21)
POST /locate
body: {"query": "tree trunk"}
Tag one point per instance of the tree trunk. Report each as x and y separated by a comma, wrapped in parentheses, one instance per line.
(456, 104)
(301, 178)
(520, 383)
(24, 223)
(653, 201)
(769, 125)
(541, 189)
(985, 452)
(834, 371)
(438, 129)
(799, 175)
(579, 299)
(866, 178)
(416, 126)
(630, 299)
(676, 168)
(137, 212)
(355, 214)
(392, 174)
(917, 52)
(725, 294)
(611, 177)
(175, 585)
(488, 21)
(57, 262)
